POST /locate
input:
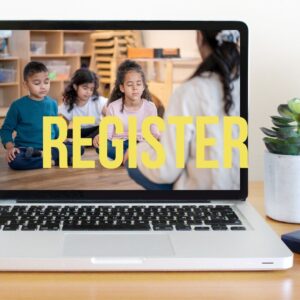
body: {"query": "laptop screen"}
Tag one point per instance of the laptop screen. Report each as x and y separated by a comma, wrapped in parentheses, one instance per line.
(123, 110)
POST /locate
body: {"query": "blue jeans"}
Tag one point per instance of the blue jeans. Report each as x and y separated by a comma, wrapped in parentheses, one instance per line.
(111, 150)
(139, 178)
(21, 162)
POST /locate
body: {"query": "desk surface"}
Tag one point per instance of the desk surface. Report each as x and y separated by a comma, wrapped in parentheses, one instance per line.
(159, 285)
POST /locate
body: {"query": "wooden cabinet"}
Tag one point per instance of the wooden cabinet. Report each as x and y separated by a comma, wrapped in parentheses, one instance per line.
(63, 51)
(9, 82)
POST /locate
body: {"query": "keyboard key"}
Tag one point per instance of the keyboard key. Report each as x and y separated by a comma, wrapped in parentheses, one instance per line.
(11, 227)
(235, 222)
(201, 228)
(238, 228)
(107, 227)
(219, 227)
(29, 227)
(163, 227)
(49, 227)
(183, 227)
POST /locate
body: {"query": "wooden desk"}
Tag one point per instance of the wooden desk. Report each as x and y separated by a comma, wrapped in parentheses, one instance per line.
(159, 285)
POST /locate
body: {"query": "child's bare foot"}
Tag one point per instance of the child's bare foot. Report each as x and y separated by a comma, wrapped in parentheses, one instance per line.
(31, 152)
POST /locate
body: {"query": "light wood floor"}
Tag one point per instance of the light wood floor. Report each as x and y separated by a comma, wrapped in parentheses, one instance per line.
(66, 179)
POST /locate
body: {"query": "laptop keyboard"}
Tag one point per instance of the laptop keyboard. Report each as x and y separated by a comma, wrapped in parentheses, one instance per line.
(105, 218)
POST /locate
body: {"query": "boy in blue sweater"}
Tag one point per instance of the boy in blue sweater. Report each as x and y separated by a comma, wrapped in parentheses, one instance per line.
(25, 117)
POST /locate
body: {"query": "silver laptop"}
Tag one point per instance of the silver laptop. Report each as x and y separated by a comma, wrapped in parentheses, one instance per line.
(100, 219)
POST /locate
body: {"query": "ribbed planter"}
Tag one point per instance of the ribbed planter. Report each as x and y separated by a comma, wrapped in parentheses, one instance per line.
(282, 187)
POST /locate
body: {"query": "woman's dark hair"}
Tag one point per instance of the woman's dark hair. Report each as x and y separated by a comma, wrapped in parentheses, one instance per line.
(81, 76)
(224, 60)
(123, 69)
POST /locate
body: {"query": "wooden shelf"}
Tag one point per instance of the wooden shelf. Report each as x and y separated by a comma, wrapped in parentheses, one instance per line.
(8, 58)
(3, 84)
(45, 31)
(20, 43)
(59, 55)
(9, 91)
(78, 31)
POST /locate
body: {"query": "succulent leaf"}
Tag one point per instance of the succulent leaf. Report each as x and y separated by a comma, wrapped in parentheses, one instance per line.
(284, 111)
(282, 120)
(294, 105)
(284, 136)
(269, 132)
(286, 132)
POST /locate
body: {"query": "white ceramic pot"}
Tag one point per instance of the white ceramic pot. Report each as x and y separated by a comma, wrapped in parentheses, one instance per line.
(282, 187)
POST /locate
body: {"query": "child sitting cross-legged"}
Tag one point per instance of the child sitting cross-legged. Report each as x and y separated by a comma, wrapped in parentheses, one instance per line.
(130, 97)
(81, 98)
(25, 117)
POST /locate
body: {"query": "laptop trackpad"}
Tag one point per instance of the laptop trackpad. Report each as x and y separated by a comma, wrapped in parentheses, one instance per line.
(117, 245)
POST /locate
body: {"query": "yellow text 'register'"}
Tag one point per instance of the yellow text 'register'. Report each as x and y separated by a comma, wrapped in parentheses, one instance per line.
(179, 122)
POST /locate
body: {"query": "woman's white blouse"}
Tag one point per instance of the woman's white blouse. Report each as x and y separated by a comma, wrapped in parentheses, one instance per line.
(200, 96)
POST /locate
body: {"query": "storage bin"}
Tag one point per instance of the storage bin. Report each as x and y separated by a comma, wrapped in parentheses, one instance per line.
(38, 47)
(59, 72)
(8, 75)
(55, 63)
(74, 47)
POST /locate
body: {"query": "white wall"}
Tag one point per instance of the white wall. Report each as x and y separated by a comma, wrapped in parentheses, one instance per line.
(185, 40)
(274, 42)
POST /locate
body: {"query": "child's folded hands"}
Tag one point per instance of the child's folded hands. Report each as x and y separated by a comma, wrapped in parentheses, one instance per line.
(11, 153)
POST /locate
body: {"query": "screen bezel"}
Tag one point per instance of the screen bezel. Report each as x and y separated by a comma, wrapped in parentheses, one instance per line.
(140, 196)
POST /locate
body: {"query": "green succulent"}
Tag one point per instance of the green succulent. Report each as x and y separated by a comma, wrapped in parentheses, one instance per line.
(284, 137)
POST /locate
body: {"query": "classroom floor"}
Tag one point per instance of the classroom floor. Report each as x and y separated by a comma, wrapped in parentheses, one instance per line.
(66, 179)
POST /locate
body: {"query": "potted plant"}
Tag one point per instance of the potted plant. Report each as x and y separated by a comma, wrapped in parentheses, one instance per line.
(282, 164)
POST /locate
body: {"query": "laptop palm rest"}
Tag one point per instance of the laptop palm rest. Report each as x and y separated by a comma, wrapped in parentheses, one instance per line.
(117, 245)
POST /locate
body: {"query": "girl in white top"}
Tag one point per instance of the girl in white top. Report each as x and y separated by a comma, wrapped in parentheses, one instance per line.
(213, 90)
(81, 98)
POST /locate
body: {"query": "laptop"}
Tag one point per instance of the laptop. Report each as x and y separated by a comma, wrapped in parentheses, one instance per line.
(99, 219)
